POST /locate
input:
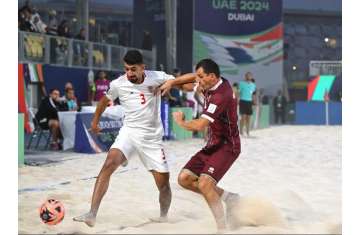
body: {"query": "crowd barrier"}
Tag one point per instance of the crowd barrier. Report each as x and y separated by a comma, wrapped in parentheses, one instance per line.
(318, 113)
(69, 52)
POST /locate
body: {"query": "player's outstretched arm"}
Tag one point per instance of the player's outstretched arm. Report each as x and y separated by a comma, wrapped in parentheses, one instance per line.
(183, 79)
(100, 108)
(193, 125)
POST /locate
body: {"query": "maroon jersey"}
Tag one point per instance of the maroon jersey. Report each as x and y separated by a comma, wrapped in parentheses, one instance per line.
(221, 110)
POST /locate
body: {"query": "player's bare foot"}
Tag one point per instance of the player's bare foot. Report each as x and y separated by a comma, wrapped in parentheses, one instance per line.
(231, 200)
(221, 231)
(89, 219)
(160, 219)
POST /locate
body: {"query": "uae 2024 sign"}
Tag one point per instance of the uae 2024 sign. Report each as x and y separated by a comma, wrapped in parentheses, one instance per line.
(241, 36)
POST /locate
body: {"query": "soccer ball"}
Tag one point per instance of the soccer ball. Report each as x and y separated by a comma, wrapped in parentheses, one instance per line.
(52, 212)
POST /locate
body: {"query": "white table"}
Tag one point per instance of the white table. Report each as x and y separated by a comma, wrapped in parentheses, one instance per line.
(67, 127)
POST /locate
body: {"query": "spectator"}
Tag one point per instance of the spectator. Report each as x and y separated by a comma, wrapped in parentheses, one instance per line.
(47, 117)
(71, 101)
(68, 85)
(53, 23)
(81, 34)
(24, 19)
(101, 85)
(264, 99)
(80, 52)
(61, 50)
(38, 24)
(63, 29)
(247, 89)
(30, 20)
(147, 41)
(280, 104)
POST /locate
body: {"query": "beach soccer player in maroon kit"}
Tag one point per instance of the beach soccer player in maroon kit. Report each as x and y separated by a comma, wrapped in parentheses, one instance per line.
(206, 168)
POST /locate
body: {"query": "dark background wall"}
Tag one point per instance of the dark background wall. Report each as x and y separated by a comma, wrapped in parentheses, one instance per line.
(184, 35)
(150, 16)
(56, 77)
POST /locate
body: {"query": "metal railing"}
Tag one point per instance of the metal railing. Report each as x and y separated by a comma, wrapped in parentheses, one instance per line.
(68, 52)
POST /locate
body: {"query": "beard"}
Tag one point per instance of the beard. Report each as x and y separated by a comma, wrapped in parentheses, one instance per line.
(136, 80)
(133, 79)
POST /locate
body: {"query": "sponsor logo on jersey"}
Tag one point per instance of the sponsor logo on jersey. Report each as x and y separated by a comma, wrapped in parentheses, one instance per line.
(211, 108)
(211, 170)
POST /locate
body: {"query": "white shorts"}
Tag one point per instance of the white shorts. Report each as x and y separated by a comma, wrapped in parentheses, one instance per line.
(150, 150)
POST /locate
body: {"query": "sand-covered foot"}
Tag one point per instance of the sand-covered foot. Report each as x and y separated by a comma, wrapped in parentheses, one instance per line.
(160, 219)
(231, 200)
(221, 231)
(88, 218)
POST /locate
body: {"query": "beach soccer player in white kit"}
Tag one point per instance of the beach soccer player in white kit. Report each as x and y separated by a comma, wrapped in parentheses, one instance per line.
(142, 131)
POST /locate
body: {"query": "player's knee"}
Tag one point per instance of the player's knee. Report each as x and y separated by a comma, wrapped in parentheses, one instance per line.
(54, 124)
(110, 165)
(183, 179)
(112, 162)
(205, 184)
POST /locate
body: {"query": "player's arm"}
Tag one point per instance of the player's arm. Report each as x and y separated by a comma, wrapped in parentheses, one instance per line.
(194, 125)
(186, 87)
(178, 81)
(100, 108)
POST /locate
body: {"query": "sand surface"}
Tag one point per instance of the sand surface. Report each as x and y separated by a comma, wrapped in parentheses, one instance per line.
(289, 178)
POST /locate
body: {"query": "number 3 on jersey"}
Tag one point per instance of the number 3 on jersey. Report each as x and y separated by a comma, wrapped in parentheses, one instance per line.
(142, 98)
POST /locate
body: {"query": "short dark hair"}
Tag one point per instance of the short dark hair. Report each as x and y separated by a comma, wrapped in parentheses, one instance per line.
(209, 66)
(52, 90)
(133, 57)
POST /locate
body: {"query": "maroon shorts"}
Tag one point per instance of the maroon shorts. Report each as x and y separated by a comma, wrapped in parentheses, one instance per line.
(213, 163)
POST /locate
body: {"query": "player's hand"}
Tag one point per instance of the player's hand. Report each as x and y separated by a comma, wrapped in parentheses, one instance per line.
(95, 129)
(166, 87)
(178, 117)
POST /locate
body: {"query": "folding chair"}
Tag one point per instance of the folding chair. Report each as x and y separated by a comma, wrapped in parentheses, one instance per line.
(38, 133)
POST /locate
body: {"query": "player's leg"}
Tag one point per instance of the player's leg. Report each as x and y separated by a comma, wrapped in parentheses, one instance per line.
(207, 187)
(190, 181)
(242, 108)
(188, 177)
(242, 123)
(163, 185)
(152, 155)
(247, 123)
(216, 166)
(54, 127)
(114, 159)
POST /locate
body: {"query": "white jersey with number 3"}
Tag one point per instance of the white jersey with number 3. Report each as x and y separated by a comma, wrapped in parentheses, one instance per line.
(140, 104)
